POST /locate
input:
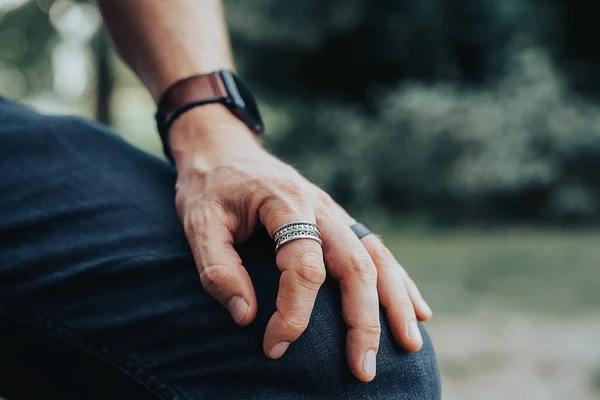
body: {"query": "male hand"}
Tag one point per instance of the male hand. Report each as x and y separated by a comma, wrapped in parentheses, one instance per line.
(227, 185)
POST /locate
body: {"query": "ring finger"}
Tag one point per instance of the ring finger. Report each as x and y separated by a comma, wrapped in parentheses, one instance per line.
(398, 294)
(401, 308)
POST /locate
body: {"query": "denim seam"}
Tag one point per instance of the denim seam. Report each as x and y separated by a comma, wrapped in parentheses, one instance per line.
(122, 362)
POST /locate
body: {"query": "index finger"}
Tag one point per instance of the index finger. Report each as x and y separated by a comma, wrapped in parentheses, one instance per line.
(302, 274)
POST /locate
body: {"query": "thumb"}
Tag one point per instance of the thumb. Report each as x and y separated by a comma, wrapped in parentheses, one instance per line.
(221, 271)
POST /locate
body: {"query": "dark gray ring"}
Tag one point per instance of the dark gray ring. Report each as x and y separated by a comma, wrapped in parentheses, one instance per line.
(360, 230)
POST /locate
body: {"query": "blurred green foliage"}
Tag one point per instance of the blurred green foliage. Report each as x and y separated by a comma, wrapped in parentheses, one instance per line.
(460, 111)
(553, 272)
(457, 110)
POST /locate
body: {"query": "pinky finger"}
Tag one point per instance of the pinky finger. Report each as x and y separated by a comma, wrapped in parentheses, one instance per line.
(422, 309)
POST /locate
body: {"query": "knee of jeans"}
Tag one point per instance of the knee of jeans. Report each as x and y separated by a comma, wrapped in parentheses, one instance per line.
(316, 363)
(318, 359)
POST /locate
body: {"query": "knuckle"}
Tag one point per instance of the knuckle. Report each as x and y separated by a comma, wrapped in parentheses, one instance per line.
(404, 302)
(295, 324)
(373, 327)
(292, 187)
(214, 279)
(189, 225)
(295, 190)
(326, 199)
(360, 259)
(370, 326)
(327, 206)
(409, 282)
(314, 275)
(405, 276)
(257, 191)
(200, 218)
(372, 323)
(362, 266)
(309, 265)
(180, 202)
(387, 268)
(380, 252)
(373, 320)
(369, 320)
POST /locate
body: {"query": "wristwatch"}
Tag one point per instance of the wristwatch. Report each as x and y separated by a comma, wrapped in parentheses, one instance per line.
(215, 87)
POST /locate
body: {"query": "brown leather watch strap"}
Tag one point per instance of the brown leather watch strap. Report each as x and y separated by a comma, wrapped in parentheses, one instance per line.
(184, 95)
(216, 87)
(192, 91)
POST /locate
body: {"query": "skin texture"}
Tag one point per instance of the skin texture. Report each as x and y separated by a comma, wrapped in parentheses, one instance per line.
(228, 184)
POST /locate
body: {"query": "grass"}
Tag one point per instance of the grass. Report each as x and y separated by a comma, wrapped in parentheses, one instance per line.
(547, 271)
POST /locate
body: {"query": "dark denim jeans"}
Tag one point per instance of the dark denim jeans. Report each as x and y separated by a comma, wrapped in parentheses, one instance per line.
(100, 297)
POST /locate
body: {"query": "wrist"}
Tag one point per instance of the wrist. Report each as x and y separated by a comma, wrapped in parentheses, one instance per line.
(206, 134)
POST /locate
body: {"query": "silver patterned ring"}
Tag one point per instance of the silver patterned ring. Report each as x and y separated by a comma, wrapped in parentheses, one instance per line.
(296, 230)
(295, 227)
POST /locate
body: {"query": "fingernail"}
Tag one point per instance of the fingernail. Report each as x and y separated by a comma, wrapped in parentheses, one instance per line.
(414, 332)
(278, 350)
(426, 307)
(369, 364)
(237, 307)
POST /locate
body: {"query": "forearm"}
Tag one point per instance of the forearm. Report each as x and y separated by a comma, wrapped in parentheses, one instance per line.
(167, 40)
(164, 40)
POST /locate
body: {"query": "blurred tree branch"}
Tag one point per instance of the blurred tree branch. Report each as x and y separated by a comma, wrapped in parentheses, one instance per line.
(105, 78)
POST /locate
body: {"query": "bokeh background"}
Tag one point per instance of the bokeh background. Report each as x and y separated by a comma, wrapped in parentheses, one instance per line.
(467, 132)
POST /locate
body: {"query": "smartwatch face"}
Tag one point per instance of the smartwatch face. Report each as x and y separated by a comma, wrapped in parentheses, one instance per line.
(242, 101)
